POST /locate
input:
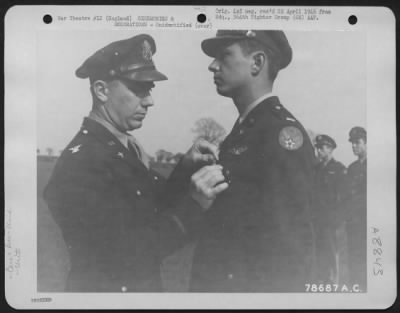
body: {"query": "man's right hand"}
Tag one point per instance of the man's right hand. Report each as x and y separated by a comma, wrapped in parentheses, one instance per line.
(201, 153)
(206, 184)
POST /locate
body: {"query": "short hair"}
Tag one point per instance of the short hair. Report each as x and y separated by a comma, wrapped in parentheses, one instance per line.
(249, 46)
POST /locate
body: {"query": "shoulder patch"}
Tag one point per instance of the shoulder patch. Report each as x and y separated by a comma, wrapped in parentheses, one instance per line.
(291, 138)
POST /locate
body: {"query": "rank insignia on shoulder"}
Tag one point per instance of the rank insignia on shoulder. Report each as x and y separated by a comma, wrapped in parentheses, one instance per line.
(75, 149)
(291, 138)
(237, 150)
(121, 155)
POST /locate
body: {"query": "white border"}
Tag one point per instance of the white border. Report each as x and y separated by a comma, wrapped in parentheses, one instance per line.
(21, 25)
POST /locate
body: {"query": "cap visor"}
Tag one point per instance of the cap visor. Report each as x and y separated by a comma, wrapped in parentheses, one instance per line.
(146, 76)
(211, 46)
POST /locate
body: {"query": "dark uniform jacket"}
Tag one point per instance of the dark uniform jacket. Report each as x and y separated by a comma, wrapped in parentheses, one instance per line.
(330, 185)
(107, 205)
(257, 236)
(357, 174)
(357, 192)
(330, 188)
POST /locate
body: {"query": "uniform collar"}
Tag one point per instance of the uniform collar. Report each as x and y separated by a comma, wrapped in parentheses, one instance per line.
(252, 105)
(102, 133)
(266, 105)
(330, 163)
(122, 137)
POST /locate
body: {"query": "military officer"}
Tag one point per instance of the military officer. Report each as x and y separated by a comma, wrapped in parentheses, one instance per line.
(107, 202)
(258, 235)
(358, 169)
(329, 188)
(356, 208)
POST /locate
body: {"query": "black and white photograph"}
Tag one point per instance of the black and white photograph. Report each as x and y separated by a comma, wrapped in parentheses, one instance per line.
(182, 155)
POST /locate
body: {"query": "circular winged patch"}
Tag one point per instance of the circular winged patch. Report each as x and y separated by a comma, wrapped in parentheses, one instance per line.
(291, 138)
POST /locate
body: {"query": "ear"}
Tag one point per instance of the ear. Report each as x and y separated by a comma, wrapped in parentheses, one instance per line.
(100, 90)
(259, 60)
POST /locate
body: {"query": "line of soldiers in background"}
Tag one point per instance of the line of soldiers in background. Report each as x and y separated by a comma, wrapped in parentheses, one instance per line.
(340, 212)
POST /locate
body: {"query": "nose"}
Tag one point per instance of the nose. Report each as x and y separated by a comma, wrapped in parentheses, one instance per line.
(147, 101)
(214, 66)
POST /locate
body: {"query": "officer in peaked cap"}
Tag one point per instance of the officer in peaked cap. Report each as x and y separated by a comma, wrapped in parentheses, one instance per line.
(330, 178)
(322, 140)
(257, 236)
(356, 208)
(117, 216)
(357, 133)
(130, 59)
(358, 169)
(274, 41)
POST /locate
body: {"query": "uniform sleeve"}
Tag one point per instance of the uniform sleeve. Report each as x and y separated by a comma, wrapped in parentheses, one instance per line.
(80, 191)
(287, 194)
(177, 185)
(177, 203)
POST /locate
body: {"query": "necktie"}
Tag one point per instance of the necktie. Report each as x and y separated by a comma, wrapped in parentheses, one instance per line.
(136, 149)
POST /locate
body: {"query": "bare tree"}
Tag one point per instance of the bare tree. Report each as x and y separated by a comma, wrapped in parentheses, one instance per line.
(177, 157)
(209, 129)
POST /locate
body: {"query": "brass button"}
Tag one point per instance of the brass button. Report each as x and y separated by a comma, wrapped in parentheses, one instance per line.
(124, 289)
(230, 276)
(138, 192)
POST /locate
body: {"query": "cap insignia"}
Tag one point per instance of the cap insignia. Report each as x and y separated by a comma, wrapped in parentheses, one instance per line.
(250, 34)
(291, 138)
(146, 51)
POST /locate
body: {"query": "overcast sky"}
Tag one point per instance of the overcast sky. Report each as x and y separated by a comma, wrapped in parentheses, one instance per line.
(324, 87)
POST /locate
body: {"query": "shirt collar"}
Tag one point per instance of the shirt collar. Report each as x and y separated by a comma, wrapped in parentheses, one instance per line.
(122, 137)
(252, 105)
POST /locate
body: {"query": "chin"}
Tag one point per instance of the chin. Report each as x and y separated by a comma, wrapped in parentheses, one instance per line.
(135, 125)
(224, 93)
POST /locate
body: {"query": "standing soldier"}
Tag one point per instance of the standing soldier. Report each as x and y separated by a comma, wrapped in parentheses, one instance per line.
(258, 235)
(329, 181)
(356, 209)
(102, 194)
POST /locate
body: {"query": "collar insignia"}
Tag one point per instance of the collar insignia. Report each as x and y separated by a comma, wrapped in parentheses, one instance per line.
(250, 34)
